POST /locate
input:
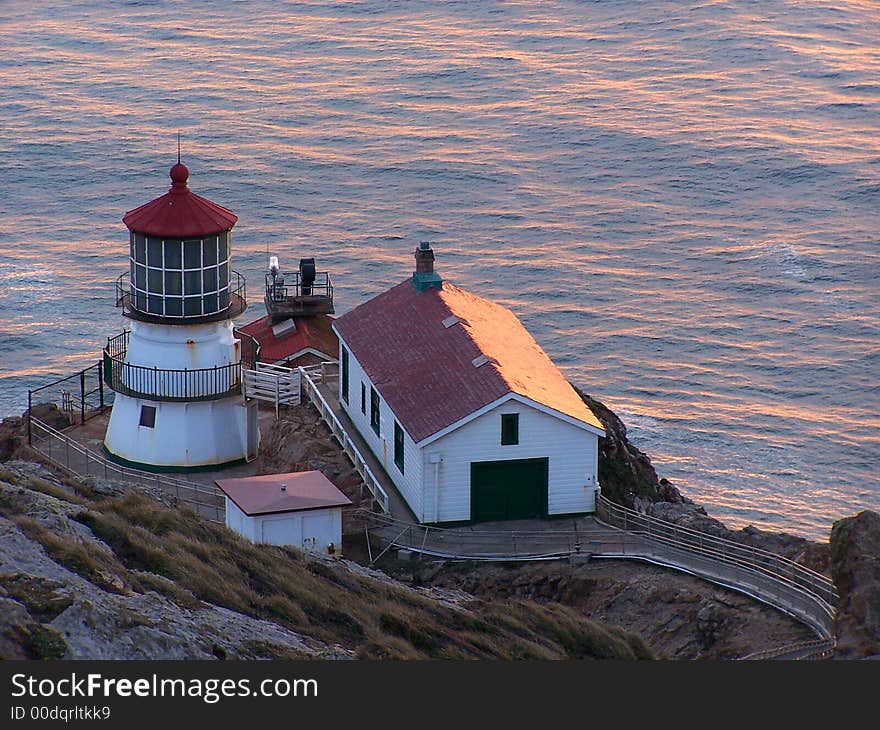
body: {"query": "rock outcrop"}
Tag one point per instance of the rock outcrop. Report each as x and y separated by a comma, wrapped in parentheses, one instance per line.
(628, 478)
(89, 570)
(855, 568)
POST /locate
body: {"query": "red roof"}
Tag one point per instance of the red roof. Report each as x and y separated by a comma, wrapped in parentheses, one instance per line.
(308, 333)
(421, 350)
(180, 213)
(263, 495)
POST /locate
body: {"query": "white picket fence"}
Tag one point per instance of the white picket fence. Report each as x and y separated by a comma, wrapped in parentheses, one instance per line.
(274, 384)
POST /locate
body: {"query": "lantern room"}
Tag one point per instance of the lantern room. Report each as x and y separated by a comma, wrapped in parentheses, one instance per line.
(179, 258)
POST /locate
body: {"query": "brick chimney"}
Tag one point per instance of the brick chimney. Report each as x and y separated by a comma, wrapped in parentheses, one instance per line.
(424, 276)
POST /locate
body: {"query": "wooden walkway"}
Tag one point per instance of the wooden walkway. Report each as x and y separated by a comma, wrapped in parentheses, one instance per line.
(615, 533)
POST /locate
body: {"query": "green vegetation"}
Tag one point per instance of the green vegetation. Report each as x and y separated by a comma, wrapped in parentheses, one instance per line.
(176, 553)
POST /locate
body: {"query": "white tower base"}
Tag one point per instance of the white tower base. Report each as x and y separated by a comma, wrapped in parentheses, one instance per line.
(193, 435)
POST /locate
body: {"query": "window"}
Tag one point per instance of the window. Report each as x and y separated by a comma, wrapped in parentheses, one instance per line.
(364, 398)
(148, 416)
(374, 410)
(509, 429)
(345, 375)
(398, 446)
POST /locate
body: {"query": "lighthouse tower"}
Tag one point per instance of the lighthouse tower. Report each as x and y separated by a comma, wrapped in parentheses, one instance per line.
(177, 370)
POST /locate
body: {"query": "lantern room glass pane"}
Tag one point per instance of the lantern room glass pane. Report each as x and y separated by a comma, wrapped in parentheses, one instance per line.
(154, 304)
(224, 276)
(174, 306)
(209, 251)
(172, 254)
(223, 246)
(192, 254)
(173, 282)
(210, 303)
(140, 277)
(154, 281)
(224, 299)
(140, 248)
(209, 279)
(192, 281)
(192, 306)
(154, 252)
(140, 301)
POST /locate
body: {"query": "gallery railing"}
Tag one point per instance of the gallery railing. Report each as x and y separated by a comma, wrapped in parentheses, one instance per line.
(164, 384)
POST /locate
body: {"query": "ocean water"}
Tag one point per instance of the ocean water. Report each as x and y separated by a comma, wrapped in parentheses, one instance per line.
(681, 200)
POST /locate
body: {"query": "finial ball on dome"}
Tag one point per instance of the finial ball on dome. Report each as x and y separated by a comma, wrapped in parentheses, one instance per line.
(179, 174)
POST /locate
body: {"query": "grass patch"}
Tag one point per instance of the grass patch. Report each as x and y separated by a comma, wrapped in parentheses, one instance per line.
(191, 561)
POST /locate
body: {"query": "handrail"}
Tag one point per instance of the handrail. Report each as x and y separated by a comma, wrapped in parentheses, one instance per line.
(79, 460)
(279, 292)
(235, 290)
(166, 384)
(338, 431)
(720, 549)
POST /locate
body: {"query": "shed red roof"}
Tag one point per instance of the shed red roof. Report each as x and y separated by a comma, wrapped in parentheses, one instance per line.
(308, 333)
(262, 495)
(421, 350)
(180, 213)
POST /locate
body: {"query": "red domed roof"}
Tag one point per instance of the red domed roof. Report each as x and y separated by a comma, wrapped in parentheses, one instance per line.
(180, 213)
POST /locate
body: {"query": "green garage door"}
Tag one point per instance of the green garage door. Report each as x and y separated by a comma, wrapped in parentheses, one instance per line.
(508, 490)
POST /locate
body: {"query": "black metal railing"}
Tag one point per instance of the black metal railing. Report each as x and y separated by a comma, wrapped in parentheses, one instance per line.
(165, 384)
(250, 349)
(283, 290)
(136, 307)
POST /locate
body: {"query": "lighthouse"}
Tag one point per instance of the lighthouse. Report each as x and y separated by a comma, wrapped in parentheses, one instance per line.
(176, 370)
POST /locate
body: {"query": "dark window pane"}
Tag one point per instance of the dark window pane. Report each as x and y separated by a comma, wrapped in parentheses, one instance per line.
(174, 306)
(173, 282)
(209, 279)
(140, 248)
(374, 410)
(509, 429)
(154, 281)
(210, 303)
(148, 416)
(209, 251)
(224, 299)
(398, 446)
(155, 304)
(192, 254)
(172, 254)
(154, 252)
(140, 301)
(140, 277)
(345, 375)
(224, 276)
(192, 306)
(224, 239)
(364, 398)
(192, 281)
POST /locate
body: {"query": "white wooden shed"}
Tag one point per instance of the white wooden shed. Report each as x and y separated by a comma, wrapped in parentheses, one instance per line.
(299, 509)
(469, 416)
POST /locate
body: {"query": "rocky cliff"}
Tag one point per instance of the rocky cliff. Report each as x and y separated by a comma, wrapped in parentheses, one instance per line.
(91, 569)
(628, 477)
(855, 568)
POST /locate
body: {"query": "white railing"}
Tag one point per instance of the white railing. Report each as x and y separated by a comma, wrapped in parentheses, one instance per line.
(63, 451)
(311, 389)
(719, 548)
(272, 384)
(780, 582)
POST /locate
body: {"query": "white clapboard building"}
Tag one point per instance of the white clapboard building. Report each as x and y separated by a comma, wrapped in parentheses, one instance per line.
(470, 417)
(299, 509)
